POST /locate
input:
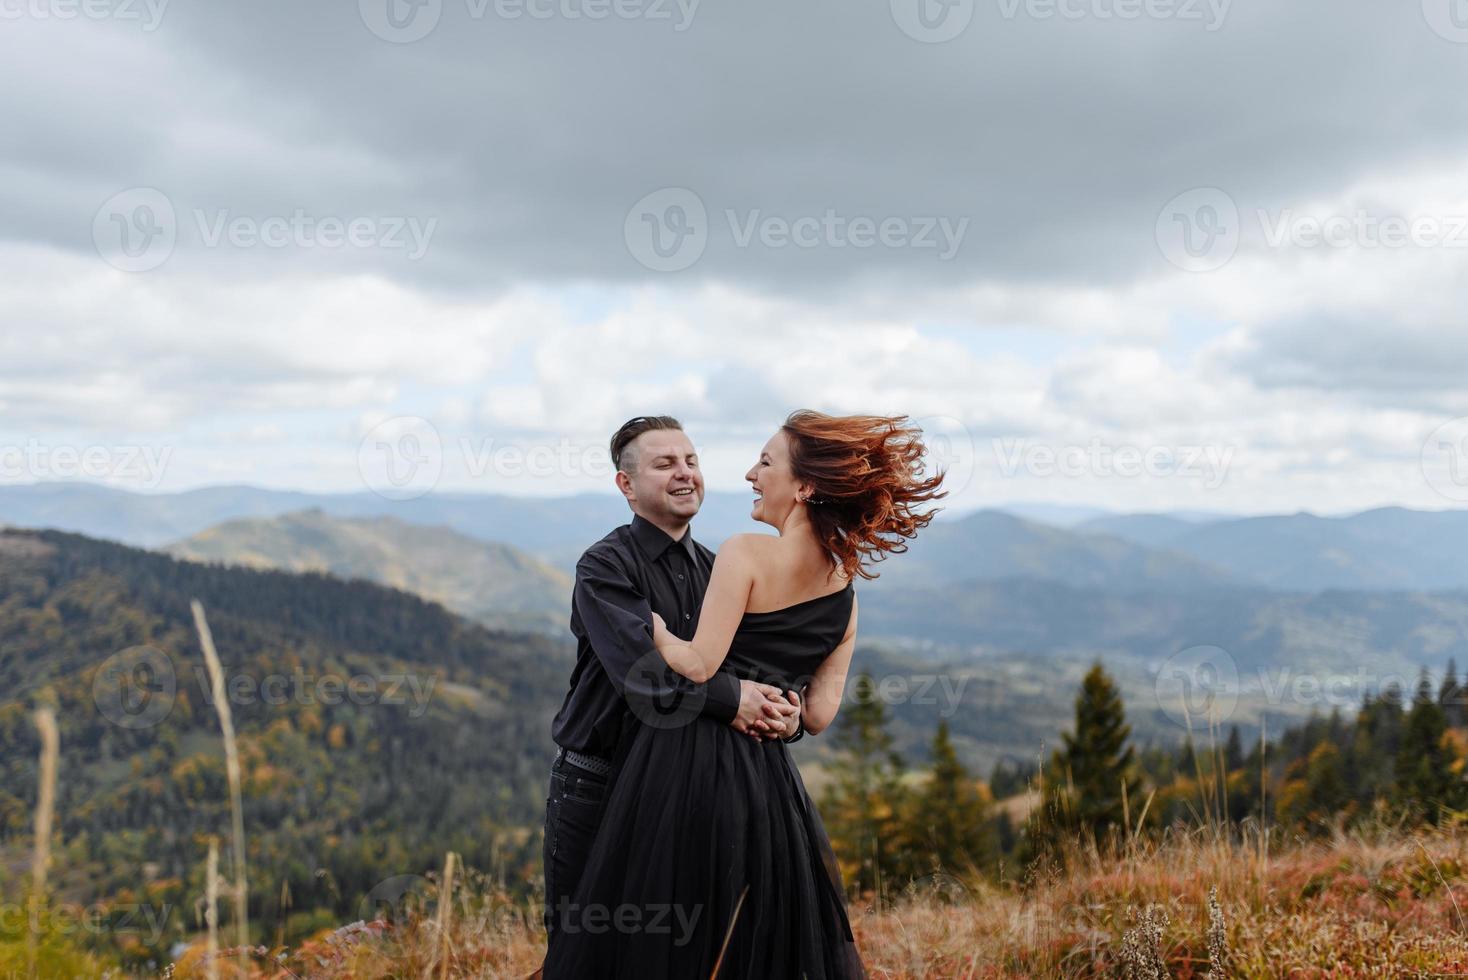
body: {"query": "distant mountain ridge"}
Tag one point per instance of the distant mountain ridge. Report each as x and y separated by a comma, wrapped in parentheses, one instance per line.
(991, 545)
(1335, 632)
(1388, 548)
(493, 583)
(1391, 549)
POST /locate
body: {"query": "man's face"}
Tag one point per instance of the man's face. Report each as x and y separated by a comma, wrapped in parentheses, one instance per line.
(666, 484)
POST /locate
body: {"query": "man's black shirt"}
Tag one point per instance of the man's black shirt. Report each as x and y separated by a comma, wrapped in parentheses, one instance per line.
(620, 581)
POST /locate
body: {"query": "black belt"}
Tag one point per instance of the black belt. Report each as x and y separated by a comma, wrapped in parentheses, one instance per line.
(581, 760)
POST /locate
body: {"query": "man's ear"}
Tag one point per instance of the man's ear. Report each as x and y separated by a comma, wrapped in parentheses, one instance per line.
(624, 484)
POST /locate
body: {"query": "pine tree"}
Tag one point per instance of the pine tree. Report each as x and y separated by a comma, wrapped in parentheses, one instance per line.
(1450, 696)
(1425, 781)
(1187, 762)
(950, 822)
(1096, 761)
(1233, 750)
(864, 806)
(1377, 740)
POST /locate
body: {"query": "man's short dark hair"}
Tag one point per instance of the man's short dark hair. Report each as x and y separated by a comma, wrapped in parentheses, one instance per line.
(633, 428)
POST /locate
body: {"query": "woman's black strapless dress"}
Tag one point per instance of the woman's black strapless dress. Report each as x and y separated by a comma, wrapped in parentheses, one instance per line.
(701, 815)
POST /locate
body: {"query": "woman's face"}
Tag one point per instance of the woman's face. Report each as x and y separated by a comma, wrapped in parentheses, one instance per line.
(776, 491)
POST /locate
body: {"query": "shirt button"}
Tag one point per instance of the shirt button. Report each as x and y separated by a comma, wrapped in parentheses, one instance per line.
(688, 615)
(680, 576)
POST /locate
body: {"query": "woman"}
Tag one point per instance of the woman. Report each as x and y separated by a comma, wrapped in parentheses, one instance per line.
(711, 859)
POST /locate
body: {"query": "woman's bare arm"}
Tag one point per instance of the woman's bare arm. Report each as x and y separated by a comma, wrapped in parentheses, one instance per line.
(723, 607)
(823, 697)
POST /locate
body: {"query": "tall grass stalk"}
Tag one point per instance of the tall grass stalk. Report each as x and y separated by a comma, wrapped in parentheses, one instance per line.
(211, 909)
(445, 913)
(232, 769)
(45, 719)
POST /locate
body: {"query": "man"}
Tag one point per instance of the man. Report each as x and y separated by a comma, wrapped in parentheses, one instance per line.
(620, 681)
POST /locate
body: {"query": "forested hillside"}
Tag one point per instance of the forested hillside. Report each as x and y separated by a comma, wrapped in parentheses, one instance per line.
(375, 730)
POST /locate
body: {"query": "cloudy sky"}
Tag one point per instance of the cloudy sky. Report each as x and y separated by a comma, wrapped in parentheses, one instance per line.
(1137, 254)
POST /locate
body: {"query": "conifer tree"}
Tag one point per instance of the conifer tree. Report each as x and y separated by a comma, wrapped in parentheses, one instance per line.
(864, 806)
(1450, 696)
(1233, 750)
(1085, 787)
(1425, 781)
(951, 817)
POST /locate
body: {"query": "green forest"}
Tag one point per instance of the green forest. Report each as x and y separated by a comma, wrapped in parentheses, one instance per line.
(378, 731)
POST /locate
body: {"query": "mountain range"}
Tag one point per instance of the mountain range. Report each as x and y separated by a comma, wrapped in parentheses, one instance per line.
(496, 584)
(1386, 549)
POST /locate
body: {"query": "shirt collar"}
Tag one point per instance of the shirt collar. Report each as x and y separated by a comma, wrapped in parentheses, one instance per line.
(654, 540)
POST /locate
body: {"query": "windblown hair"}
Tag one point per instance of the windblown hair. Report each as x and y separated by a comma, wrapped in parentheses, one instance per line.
(868, 476)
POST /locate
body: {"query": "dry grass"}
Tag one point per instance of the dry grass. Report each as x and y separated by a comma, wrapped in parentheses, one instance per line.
(240, 886)
(1377, 903)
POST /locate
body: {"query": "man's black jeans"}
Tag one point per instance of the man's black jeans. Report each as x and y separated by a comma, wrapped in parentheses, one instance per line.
(573, 812)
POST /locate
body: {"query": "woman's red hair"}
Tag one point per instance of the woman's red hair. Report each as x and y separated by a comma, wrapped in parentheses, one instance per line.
(866, 472)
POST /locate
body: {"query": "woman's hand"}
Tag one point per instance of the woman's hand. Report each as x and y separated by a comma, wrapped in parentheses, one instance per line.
(661, 637)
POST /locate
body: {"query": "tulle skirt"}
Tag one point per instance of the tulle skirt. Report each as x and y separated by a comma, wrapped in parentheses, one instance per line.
(708, 835)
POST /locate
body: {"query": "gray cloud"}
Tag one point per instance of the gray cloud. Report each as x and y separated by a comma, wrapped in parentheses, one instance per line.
(530, 139)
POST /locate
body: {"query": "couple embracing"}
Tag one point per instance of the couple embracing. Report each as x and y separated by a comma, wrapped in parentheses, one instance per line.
(680, 841)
